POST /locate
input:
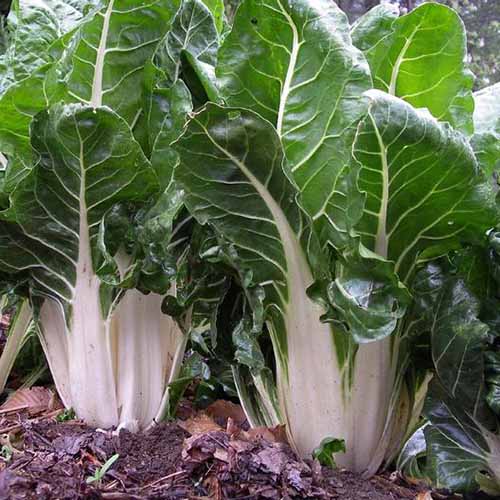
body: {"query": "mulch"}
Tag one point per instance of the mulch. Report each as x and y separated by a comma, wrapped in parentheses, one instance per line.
(204, 456)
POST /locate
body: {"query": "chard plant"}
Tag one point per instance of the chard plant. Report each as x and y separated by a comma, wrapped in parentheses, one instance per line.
(327, 195)
(92, 223)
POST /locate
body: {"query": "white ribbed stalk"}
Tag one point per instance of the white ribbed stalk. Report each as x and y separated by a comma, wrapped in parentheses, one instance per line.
(97, 83)
(148, 342)
(53, 336)
(17, 331)
(92, 381)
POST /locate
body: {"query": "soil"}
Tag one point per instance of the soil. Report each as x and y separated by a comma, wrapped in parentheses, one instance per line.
(206, 456)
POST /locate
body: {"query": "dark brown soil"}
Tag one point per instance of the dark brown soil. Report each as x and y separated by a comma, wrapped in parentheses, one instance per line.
(170, 463)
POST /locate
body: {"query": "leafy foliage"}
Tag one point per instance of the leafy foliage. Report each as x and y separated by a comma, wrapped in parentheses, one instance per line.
(304, 206)
(327, 448)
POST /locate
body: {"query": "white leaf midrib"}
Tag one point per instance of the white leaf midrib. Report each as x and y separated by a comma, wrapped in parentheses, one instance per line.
(381, 239)
(290, 71)
(399, 60)
(96, 99)
(293, 254)
(84, 263)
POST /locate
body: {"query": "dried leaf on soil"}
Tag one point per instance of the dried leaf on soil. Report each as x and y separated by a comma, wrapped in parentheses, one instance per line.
(272, 434)
(425, 495)
(222, 410)
(199, 424)
(35, 400)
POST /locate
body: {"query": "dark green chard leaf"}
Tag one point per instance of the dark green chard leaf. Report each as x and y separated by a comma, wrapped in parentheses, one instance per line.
(255, 381)
(193, 32)
(295, 65)
(373, 27)
(462, 453)
(104, 62)
(33, 28)
(201, 284)
(201, 80)
(167, 86)
(368, 295)
(412, 458)
(247, 348)
(461, 443)
(449, 313)
(189, 51)
(146, 233)
(424, 191)
(156, 241)
(193, 369)
(18, 105)
(167, 111)
(421, 59)
(456, 304)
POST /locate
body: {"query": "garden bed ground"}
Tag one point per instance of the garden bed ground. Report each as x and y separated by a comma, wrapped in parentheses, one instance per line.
(204, 455)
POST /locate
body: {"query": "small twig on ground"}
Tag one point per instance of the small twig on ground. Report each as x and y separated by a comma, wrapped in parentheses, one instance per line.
(118, 495)
(161, 479)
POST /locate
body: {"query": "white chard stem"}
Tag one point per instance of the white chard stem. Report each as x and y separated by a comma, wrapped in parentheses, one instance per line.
(18, 328)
